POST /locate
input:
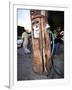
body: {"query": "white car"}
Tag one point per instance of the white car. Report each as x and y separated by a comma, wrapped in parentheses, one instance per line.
(19, 41)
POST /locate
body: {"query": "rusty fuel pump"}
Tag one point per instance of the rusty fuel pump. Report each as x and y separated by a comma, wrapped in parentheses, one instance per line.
(40, 42)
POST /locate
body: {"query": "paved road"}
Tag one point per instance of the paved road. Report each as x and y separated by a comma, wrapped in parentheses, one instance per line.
(24, 66)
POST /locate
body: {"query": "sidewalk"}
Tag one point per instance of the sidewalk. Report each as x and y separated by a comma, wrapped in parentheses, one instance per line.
(24, 66)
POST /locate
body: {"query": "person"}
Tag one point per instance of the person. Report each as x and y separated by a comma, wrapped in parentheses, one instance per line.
(62, 35)
(51, 38)
(57, 40)
(49, 46)
(25, 41)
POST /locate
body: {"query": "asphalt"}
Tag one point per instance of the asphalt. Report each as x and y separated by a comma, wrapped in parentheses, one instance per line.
(24, 66)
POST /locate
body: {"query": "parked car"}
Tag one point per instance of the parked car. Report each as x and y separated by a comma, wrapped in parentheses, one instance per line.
(19, 41)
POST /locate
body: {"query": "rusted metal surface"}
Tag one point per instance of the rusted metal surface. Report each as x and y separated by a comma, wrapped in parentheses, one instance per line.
(41, 45)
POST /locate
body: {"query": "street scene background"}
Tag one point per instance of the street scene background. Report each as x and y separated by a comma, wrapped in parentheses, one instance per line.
(24, 60)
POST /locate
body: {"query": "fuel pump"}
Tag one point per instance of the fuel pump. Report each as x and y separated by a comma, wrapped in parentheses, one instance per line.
(40, 43)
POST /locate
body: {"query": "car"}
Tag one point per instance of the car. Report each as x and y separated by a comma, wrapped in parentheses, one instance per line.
(19, 41)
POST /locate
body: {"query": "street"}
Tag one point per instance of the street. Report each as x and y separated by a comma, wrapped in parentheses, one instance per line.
(24, 66)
